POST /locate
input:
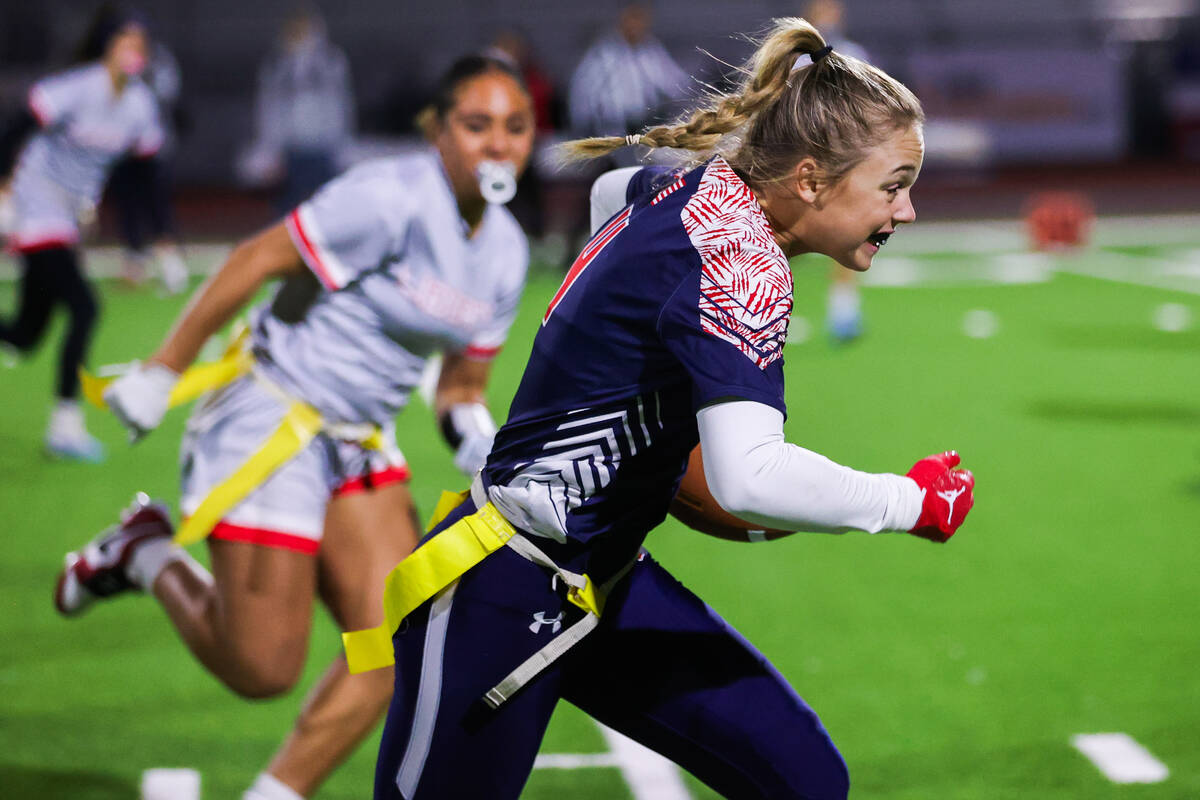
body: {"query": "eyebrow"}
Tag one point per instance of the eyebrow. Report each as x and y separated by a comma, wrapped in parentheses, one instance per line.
(905, 168)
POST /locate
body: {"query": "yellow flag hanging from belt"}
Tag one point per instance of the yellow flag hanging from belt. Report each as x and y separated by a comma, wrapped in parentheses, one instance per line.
(430, 568)
(301, 422)
(236, 361)
(299, 425)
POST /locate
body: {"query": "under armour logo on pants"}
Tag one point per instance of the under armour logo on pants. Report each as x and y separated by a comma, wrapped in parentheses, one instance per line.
(539, 619)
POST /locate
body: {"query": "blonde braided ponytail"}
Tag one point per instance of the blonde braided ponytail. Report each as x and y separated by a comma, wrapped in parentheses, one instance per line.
(831, 108)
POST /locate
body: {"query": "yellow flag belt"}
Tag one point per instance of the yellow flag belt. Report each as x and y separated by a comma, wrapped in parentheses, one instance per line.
(301, 422)
(439, 562)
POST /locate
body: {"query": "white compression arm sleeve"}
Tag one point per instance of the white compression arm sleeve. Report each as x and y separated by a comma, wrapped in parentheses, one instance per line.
(608, 194)
(756, 475)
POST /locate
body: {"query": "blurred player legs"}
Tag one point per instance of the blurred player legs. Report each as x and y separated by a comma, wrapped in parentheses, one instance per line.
(249, 621)
(52, 276)
(844, 310)
(141, 193)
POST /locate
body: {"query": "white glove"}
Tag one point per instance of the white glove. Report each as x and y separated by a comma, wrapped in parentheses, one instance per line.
(473, 428)
(139, 397)
(473, 452)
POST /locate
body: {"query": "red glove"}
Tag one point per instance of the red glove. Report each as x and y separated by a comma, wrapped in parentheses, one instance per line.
(947, 495)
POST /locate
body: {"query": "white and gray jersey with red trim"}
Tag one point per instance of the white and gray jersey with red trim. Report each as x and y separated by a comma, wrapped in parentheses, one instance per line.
(401, 280)
(86, 125)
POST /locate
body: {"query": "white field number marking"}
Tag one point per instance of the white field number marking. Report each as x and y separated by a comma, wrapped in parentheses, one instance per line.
(170, 784)
(1120, 758)
(649, 775)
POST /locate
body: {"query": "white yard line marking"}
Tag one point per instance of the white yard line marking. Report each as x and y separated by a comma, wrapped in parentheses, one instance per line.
(649, 775)
(994, 268)
(574, 760)
(1120, 758)
(1158, 273)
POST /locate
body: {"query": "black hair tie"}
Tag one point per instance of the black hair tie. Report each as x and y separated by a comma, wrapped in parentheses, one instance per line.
(824, 51)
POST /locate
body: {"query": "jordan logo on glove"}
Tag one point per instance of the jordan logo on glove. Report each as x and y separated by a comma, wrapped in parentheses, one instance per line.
(950, 497)
(941, 487)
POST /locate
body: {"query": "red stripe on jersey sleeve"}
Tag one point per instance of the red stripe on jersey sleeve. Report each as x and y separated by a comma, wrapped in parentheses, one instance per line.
(39, 107)
(309, 253)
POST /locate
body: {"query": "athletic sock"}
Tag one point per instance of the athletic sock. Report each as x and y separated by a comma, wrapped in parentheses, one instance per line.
(267, 787)
(66, 419)
(150, 558)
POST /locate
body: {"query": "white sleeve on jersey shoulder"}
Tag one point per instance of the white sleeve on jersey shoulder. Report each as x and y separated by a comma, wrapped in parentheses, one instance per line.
(756, 475)
(608, 194)
(55, 95)
(349, 226)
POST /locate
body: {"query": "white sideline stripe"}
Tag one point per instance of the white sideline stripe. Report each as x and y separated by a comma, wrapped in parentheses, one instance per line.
(649, 775)
(170, 784)
(1120, 758)
(1157, 273)
(105, 262)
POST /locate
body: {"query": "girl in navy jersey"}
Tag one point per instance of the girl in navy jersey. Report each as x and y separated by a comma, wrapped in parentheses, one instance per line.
(82, 121)
(396, 260)
(667, 331)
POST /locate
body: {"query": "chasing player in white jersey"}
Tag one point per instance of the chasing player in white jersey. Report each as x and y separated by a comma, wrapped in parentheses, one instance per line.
(392, 262)
(81, 122)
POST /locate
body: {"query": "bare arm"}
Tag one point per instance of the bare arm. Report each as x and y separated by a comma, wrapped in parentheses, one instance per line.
(463, 380)
(267, 255)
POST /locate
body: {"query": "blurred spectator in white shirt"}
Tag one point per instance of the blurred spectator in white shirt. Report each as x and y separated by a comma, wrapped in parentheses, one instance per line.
(624, 80)
(304, 111)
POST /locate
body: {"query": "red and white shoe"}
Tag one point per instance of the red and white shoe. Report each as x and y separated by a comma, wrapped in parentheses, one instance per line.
(100, 569)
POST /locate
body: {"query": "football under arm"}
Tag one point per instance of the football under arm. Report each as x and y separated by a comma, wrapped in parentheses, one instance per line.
(608, 194)
(755, 474)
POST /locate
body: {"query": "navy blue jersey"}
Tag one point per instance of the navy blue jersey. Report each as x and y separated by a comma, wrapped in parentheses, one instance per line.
(681, 299)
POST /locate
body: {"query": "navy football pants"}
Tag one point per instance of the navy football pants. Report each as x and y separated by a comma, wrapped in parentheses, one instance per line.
(661, 667)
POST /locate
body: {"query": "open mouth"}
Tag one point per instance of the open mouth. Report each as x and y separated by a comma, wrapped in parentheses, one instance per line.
(879, 239)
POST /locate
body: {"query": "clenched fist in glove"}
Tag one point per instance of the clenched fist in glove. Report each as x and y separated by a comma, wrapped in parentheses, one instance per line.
(947, 494)
(139, 397)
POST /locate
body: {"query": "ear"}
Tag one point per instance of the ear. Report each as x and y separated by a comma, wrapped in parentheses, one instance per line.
(807, 180)
(429, 123)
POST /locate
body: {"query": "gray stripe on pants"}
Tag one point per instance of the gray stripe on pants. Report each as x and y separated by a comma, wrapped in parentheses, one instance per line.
(429, 694)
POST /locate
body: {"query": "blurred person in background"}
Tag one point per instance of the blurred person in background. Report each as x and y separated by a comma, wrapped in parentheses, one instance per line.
(668, 331)
(77, 124)
(625, 81)
(304, 111)
(396, 260)
(141, 188)
(843, 309)
(513, 45)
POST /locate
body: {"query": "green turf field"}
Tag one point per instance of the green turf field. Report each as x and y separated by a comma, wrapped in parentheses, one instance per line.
(1067, 604)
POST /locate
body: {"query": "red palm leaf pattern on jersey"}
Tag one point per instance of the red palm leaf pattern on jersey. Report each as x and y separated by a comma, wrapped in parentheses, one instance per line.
(745, 281)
